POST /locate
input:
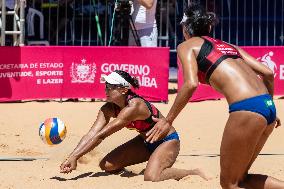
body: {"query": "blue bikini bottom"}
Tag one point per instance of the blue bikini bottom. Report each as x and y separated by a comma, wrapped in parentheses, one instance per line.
(152, 146)
(262, 105)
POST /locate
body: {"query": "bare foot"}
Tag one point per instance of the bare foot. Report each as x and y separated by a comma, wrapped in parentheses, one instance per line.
(198, 172)
(202, 174)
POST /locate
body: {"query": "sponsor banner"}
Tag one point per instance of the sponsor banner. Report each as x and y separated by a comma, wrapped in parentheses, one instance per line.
(272, 57)
(75, 72)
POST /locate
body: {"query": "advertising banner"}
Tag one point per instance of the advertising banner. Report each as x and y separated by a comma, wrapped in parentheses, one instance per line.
(75, 72)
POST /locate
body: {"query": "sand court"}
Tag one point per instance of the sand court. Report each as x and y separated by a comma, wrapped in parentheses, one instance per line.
(200, 126)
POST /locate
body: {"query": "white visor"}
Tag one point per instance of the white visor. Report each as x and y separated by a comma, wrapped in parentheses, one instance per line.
(116, 79)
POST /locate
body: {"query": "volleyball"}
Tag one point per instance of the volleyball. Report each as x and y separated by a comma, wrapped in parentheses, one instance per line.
(52, 131)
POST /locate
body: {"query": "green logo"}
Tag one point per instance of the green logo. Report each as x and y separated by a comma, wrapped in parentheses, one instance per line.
(269, 103)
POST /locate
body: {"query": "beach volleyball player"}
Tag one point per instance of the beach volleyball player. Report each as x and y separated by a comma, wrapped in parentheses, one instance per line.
(248, 88)
(133, 112)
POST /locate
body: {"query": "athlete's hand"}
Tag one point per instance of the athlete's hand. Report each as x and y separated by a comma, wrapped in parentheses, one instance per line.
(278, 122)
(159, 131)
(68, 165)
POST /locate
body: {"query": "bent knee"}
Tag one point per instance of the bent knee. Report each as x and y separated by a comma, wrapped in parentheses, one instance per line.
(151, 177)
(108, 167)
(103, 165)
(227, 183)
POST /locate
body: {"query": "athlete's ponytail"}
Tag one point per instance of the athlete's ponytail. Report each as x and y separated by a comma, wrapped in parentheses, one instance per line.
(197, 21)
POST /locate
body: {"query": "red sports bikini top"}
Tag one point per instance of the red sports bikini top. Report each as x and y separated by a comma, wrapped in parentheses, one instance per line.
(212, 53)
(142, 125)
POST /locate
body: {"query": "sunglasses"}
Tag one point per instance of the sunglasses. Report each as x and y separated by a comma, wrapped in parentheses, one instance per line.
(112, 86)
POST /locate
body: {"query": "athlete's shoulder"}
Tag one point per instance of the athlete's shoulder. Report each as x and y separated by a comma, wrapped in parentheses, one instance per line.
(135, 101)
(139, 104)
(189, 44)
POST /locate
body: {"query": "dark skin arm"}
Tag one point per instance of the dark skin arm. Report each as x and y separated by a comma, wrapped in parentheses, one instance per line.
(101, 129)
(190, 69)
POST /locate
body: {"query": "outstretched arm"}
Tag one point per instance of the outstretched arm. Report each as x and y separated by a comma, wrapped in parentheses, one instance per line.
(90, 140)
(102, 119)
(102, 128)
(189, 67)
(260, 69)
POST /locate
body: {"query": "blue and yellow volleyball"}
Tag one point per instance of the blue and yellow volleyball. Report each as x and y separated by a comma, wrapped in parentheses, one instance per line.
(52, 131)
